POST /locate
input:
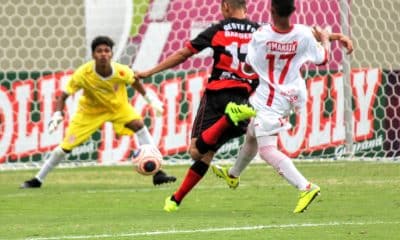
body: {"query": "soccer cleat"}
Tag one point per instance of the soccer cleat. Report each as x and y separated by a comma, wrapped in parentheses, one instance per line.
(237, 113)
(222, 172)
(32, 183)
(306, 197)
(161, 177)
(170, 205)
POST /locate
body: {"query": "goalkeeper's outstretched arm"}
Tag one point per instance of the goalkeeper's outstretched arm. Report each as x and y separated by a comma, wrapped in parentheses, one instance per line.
(138, 86)
(58, 114)
(150, 99)
(60, 101)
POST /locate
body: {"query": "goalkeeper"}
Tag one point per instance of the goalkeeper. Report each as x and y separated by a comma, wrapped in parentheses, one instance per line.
(104, 99)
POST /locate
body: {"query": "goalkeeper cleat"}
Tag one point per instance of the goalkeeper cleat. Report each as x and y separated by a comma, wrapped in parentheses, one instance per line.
(170, 205)
(222, 172)
(161, 177)
(306, 197)
(32, 183)
(237, 113)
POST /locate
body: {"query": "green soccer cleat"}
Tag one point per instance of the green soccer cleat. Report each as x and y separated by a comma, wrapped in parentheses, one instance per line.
(222, 172)
(170, 205)
(239, 112)
(306, 197)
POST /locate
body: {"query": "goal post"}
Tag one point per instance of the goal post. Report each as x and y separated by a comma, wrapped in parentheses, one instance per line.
(348, 116)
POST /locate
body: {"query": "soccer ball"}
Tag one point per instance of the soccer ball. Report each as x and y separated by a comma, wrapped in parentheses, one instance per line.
(147, 159)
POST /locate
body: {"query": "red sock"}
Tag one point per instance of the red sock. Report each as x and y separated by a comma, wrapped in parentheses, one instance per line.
(211, 135)
(193, 176)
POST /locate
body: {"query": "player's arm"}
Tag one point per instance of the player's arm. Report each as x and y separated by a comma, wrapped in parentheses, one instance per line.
(200, 42)
(319, 52)
(322, 36)
(171, 61)
(58, 115)
(138, 86)
(60, 101)
(343, 39)
(150, 99)
(72, 86)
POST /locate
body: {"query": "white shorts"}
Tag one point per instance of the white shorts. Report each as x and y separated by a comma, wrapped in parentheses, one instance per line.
(273, 119)
(266, 124)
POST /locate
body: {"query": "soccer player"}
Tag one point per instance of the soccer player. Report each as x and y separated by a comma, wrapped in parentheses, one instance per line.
(276, 53)
(223, 112)
(104, 99)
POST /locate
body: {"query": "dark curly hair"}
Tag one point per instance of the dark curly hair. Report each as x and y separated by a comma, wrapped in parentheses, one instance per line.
(284, 8)
(102, 40)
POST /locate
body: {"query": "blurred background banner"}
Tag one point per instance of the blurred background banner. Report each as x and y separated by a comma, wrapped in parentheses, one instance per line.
(352, 110)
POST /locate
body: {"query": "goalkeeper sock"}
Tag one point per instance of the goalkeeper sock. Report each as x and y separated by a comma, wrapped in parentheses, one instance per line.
(54, 159)
(144, 137)
(193, 176)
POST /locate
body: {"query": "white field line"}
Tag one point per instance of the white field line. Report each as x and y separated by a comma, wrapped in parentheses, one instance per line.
(27, 192)
(209, 230)
(30, 192)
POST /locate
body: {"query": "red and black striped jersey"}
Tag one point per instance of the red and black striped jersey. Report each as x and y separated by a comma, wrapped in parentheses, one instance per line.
(229, 40)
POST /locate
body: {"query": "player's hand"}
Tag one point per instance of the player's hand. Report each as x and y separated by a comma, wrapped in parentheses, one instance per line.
(144, 74)
(347, 43)
(56, 119)
(155, 104)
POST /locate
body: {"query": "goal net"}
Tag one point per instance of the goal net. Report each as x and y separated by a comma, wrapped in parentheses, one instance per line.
(353, 108)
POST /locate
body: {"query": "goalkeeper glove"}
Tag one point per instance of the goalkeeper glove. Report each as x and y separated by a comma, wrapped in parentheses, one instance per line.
(156, 104)
(56, 119)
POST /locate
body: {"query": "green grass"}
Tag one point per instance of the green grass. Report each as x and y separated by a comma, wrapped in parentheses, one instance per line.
(359, 201)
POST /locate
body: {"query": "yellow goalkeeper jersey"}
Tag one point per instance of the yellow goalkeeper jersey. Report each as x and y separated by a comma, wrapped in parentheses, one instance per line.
(101, 94)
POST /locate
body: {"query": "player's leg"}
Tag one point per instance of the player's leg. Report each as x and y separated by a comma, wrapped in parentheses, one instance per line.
(285, 167)
(280, 162)
(210, 112)
(127, 122)
(81, 127)
(206, 116)
(247, 152)
(226, 109)
(55, 156)
(193, 176)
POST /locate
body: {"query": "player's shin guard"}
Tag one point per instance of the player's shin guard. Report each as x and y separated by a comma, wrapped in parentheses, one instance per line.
(56, 156)
(193, 176)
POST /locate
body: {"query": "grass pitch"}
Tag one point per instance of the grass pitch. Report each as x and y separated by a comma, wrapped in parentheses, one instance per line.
(359, 200)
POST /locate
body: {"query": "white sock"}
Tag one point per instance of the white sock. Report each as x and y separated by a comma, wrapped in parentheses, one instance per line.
(284, 166)
(144, 137)
(54, 159)
(246, 154)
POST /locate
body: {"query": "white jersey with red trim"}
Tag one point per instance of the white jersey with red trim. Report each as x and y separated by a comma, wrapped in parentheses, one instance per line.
(277, 58)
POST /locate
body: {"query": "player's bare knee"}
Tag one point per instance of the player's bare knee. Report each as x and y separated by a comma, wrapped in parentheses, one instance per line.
(135, 125)
(194, 153)
(66, 150)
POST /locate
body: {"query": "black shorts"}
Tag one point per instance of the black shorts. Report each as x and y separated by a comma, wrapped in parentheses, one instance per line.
(212, 108)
